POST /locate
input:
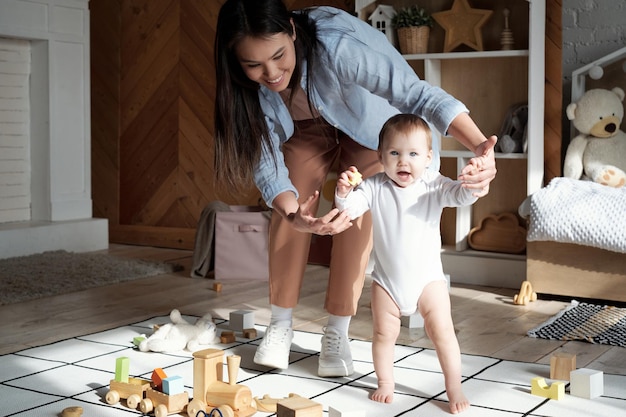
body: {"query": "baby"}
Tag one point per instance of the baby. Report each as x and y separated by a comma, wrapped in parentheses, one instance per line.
(406, 202)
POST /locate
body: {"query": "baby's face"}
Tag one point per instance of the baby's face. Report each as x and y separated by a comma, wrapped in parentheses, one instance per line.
(405, 156)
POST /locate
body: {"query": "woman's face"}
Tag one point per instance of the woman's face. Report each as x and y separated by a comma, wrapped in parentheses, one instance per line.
(269, 61)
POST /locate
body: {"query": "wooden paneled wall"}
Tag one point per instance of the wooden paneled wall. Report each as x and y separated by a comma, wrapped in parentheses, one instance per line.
(153, 89)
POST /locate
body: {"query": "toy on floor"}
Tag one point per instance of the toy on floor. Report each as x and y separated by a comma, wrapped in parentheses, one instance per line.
(209, 390)
(75, 411)
(162, 394)
(539, 387)
(525, 295)
(586, 383)
(561, 365)
(599, 151)
(298, 407)
(180, 334)
(125, 387)
(268, 404)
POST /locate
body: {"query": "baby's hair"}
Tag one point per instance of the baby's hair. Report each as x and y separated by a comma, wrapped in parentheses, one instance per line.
(404, 123)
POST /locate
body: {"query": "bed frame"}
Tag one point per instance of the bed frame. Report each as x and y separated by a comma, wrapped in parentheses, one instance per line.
(572, 270)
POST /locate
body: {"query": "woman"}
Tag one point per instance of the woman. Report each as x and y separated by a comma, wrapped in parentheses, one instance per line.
(301, 93)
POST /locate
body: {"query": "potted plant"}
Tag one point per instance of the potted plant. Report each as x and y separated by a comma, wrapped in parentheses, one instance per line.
(412, 25)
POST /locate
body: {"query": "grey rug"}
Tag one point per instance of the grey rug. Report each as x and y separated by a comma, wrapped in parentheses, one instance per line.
(601, 324)
(59, 272)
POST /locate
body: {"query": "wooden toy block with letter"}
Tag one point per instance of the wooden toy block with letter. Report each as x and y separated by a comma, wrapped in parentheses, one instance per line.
(561, 364)
(298, 407)
(556, 391)
(586, 383)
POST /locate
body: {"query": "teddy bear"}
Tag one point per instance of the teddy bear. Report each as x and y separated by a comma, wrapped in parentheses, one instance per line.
(180, 334)
(599, 151)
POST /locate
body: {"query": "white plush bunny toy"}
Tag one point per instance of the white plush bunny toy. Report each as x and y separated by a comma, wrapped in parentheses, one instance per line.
(180, 334)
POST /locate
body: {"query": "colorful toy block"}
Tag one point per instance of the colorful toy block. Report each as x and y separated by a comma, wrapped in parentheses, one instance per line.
(138, 339)
(561, 364)
(586, 383)
(158, 375)
(298, 407)
(173, 385)
(241, 319)
(122, 366)
(556, 391)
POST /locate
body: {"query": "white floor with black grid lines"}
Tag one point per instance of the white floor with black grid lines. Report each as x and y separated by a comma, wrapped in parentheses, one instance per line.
(43, 381)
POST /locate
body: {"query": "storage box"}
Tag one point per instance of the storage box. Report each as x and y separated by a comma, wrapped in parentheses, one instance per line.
(241, 243)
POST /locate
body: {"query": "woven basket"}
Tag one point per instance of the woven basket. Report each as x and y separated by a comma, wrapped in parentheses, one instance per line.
(413, 40)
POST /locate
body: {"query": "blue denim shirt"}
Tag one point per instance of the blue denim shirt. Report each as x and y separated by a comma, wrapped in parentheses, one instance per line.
(359, 83)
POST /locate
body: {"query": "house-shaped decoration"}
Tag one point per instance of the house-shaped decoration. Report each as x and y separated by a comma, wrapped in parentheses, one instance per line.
(363, 8)
(381, 20)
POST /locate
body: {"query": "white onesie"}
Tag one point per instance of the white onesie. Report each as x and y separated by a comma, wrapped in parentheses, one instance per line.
(406, 223)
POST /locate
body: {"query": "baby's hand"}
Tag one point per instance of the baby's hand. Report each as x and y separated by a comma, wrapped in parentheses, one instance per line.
(347, 180)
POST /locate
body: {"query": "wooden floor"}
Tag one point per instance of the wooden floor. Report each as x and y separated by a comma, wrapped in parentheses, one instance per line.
(486, 320)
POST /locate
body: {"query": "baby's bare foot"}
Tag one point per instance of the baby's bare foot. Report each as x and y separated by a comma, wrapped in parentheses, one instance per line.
(384, 393)
(458, 402)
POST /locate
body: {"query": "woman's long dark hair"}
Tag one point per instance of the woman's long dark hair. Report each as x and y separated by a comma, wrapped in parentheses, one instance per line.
(240, 128)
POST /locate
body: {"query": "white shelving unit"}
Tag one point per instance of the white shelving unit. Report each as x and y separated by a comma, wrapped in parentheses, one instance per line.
(487, 268)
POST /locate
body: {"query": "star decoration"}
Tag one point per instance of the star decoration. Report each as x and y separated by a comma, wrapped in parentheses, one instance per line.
(462, 25)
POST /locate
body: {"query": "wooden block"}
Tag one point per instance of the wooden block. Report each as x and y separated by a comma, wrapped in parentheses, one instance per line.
(561, 364)
(414, 321)
(158, 375)
(227, 336)
(586, 383)
(122, 366)
(217, 286)
(138, 339)
(75, 411)
(298, 407)
(556, 391)
(241, 319)
(345, 412)
(249, 333)
(173, 385)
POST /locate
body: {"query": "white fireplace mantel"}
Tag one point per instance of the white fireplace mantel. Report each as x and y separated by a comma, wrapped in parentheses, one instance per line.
(60, 136)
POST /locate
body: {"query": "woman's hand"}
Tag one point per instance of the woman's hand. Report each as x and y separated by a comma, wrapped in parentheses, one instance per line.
(332, 223)
(481, 170)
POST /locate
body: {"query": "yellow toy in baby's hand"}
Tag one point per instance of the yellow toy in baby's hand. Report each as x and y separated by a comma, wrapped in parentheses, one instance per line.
(356, 178)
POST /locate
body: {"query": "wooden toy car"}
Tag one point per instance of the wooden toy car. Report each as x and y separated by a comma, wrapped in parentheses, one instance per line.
(163, 404)
(132, 391)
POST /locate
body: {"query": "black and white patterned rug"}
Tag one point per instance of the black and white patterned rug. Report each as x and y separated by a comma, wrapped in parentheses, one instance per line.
(605, 325)
(45, 380)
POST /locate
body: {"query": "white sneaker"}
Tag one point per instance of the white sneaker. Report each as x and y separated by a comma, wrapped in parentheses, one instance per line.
(335, 357)
(273, 351)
